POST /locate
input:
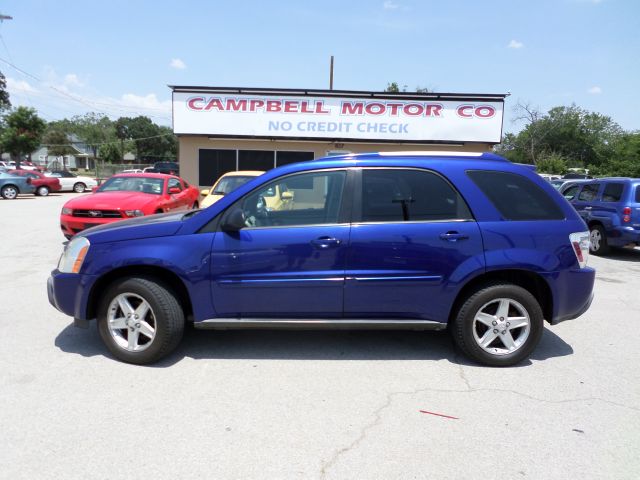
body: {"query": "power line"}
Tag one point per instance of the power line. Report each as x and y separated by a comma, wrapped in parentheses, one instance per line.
(116, 142)
(121, 108)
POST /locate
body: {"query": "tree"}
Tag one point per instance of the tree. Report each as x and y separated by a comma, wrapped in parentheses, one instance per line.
(4, 95)
(552, 163)
(94, 130)
(392, 87)
(109, 152)
(22, 133)
(57, 143)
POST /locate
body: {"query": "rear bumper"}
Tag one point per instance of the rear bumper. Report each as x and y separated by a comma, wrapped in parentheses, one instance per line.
(573, 293)
(622, 236)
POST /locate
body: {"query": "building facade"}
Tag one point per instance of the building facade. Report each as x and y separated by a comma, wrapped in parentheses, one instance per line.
(224, 129)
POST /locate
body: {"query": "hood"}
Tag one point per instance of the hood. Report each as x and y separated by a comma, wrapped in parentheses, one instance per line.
(112, 201)
(160, 225)
(210, 200)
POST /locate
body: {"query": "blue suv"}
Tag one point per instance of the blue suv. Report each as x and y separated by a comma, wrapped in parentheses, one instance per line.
(468, 242)
(611, 209)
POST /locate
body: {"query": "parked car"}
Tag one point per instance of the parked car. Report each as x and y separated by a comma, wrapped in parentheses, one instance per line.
(71, 182)
(43, 184)
(11, 186)
(573, 176)
(126, 196)
(414, 241)
(170, 168)
(227, 183)
(611, 209)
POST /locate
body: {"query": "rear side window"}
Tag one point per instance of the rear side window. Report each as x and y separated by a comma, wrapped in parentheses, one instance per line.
(612, 192)
(516, 197)
(397, 195)
(589, 192)
(638, 194)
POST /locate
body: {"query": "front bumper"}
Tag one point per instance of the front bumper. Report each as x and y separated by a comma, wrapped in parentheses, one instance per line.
(71, 225)
(69, 292)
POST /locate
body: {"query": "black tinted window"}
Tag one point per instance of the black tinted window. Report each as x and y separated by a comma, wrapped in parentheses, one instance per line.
(612, 192)
(409, 195)
(638, 194)
(589, 192)
(516, 197)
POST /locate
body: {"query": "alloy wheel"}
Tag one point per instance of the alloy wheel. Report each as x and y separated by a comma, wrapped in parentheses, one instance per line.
(131, 322)
(501, 326)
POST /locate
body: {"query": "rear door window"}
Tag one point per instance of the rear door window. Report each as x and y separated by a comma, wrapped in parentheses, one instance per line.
(402, 195)
(589, 192)
(612, 192)
(638, 194)
(515, 196)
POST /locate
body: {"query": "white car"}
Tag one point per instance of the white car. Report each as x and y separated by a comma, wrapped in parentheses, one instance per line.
(73, 183)
(11, 165)
(132, 170)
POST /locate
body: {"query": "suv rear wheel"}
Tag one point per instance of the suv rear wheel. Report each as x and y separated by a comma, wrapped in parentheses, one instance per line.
(140, 320)
(498, 325)
(598, 240)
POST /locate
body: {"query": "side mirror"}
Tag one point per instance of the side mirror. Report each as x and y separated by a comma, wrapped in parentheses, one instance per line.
(204, 192)
(94, 189)
(174, 190)
(286, 195)
(233, 221)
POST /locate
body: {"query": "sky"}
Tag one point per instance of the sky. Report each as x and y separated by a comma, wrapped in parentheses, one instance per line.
(66, 58)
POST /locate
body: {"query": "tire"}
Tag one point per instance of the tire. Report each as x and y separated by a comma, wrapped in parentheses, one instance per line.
(598, 240)
(79, 187)
(42, 191)
(9, 192)
(156, 334)
(499, 344)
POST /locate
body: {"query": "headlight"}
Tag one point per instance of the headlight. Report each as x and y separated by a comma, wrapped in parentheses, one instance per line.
(73, 256)
(67, 211)
(134, 213)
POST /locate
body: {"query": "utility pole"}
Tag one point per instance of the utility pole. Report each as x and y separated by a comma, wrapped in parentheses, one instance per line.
(331, 74)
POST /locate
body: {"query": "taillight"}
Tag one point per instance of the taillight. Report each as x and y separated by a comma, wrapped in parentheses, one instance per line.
(580, 243)
(626, 214)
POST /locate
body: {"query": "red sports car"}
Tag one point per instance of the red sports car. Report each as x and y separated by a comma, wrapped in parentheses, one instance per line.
(126, 196)
(43, 184)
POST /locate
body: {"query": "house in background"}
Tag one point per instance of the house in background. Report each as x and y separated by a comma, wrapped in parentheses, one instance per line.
(81, 158)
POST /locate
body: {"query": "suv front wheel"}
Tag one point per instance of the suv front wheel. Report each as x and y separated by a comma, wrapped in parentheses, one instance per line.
(140, 320)
(498, 325)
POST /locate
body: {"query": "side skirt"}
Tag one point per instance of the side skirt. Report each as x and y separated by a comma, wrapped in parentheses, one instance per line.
(318, 324)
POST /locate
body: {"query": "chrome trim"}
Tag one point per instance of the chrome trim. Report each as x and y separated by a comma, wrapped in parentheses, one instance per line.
(279, 280)
(407, 278)
(315, 323)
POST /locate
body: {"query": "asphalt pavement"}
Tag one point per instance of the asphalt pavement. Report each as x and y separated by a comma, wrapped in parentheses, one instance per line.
(308, 405)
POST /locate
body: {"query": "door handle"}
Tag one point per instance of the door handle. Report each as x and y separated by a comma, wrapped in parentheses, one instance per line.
(453, 236)
(325, 242)
(588, 208)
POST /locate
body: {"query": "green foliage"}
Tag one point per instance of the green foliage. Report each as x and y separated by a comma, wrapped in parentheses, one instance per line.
(22, 133)
(109, 152)
(569, 136)
(57, 143)
(552, 163)
(5, 103)
(151, 142)
(392, 87)
(94, 130)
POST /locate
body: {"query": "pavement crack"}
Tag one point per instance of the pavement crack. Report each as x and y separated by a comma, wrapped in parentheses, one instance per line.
(377, 414)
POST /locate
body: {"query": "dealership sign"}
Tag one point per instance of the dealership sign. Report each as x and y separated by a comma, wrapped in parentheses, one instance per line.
(332, 118)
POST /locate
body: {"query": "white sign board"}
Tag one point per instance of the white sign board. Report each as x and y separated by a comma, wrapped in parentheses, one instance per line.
(345, 118)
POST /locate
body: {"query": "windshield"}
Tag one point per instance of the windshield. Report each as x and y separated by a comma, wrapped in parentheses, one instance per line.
(229, 184)
(133, 184)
